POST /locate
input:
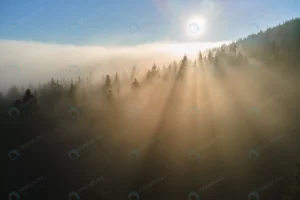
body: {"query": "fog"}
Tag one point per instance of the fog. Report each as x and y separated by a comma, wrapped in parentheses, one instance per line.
(22, 62)
(211, 119)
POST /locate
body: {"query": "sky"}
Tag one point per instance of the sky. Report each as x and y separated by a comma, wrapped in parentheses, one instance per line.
(44, 39)
(131, 22)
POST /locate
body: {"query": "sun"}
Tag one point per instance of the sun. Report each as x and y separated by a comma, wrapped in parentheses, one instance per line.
(195, 27)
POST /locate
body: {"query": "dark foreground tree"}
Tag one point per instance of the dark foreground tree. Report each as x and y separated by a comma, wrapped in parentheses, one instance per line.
(27, 96)
(135, 84)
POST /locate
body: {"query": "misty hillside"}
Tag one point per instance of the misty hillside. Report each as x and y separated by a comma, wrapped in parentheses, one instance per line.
(276, 45)
(232, 115)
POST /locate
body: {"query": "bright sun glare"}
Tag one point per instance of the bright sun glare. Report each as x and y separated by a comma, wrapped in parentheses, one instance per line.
(195, 27)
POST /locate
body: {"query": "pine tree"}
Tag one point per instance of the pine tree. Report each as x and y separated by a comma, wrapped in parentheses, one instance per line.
(200, 59)
(154, 71)
(133, 73)
(273, 48)
(72, 88)
(13, 94)
(154, 68)
(195, 63)
(148, 76)
(117, 83)
(183, 66)
(107, 81)
(210, 57)
(116, 80)
(27, 96)
(110, 95)
(135, 83)
(233, 48)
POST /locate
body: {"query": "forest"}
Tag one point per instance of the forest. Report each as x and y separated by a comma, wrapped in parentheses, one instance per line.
(213, 116)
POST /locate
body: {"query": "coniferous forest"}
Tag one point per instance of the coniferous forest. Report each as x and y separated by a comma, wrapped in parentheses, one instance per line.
(223, 125)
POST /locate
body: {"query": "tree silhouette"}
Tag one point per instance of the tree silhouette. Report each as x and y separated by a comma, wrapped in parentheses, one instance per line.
(110, 95)
(154, 68)
(107, 81)
(116, 80)
(183, 66)
(149, 75)
(135, 84)
(200, 59)
(27, 96)
(72, 88)
(210, 57)
(133, 73)
(13, 93)
(116, 83)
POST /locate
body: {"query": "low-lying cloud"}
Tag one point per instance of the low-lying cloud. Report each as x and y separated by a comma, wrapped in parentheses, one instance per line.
(22, 62)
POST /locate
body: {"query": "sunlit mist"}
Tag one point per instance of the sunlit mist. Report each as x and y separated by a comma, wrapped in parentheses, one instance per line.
(24, 61)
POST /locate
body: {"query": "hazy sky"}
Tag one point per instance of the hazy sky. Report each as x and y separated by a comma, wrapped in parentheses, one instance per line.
(44, 39)
(109, 22)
